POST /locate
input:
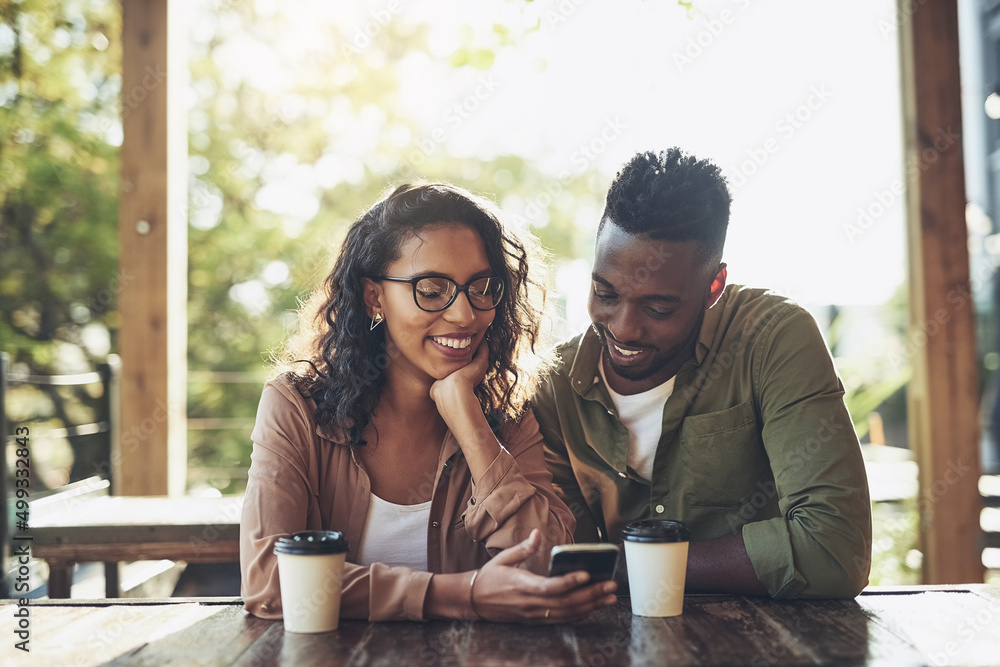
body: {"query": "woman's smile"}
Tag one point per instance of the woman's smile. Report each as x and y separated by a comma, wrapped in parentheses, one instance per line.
(455, 345)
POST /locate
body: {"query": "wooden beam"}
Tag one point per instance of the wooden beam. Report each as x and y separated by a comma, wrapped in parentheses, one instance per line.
(944, 393)
(152, 456)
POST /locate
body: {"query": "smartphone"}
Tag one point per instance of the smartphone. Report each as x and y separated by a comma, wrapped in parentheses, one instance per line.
(598, 558)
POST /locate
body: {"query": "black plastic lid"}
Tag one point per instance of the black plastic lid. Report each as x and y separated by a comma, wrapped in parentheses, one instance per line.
(312, 542)
(656, 530)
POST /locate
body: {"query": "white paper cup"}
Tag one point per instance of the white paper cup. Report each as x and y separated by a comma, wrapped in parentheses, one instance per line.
(656, 555)
(311, 574)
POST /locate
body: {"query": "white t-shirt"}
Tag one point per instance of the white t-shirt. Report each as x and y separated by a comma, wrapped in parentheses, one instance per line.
(395, 535)
(642, 415)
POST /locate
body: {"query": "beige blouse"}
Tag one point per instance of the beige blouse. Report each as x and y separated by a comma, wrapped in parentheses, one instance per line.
(300, 479)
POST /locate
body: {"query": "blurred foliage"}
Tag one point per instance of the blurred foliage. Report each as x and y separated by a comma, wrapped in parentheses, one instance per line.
(335, 135)
(277, 169)
(896, 559)
(59, 87)
(875, 380)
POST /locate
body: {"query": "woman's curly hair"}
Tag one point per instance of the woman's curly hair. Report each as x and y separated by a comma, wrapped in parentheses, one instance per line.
(345, 361)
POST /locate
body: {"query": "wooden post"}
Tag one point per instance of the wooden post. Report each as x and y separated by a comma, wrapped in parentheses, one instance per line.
(153, 241)
(944, 393)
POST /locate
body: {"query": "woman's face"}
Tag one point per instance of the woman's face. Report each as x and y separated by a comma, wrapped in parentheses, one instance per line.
(430, 346)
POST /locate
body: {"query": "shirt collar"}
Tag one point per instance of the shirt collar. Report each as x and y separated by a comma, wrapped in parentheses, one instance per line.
(583, 372)
(709, 325)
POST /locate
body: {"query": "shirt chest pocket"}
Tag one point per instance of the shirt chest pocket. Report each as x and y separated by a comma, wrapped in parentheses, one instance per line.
(722, 458)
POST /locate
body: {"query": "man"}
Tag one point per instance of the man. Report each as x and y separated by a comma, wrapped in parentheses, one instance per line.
(716, 406)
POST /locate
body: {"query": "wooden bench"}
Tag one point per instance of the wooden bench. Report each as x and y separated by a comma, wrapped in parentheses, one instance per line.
(92, 439)
(93, 527)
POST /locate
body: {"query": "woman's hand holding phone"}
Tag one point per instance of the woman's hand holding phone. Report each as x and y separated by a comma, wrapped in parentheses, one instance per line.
(504, 592)
(599, 560)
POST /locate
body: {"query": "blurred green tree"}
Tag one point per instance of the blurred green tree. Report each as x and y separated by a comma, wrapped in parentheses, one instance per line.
(284, 155)
(59, 131)
(59, 85)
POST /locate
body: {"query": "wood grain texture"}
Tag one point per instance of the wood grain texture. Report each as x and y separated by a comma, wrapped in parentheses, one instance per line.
(941, 345)
(217, 552)
(912, 625)
(110, 529)
(948, 626)
(844, 632)
(220, 637)
(152, 451)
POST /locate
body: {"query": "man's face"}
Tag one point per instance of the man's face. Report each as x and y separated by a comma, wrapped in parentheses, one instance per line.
(647, 301)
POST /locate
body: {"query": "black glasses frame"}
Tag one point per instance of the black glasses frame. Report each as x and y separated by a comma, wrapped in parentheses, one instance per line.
(458, 290)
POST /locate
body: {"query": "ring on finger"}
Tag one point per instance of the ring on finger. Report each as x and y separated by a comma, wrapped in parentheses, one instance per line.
(547, 612)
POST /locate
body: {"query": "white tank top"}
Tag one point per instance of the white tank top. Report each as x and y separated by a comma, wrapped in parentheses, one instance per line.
(395, 535)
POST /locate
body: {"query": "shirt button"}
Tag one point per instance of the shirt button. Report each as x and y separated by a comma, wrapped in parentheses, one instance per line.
(435, 524)
(621, 474)
(659, 509)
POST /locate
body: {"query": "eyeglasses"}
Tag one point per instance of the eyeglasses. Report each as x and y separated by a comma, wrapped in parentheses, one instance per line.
(434, 293)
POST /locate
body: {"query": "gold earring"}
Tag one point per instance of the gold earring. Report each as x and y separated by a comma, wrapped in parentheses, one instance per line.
(377, 319)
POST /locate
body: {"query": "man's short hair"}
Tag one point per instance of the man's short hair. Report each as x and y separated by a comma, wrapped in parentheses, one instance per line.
(670, 196)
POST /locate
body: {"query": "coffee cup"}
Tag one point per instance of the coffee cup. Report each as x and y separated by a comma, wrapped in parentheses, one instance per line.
(656, 555)
(311, 574)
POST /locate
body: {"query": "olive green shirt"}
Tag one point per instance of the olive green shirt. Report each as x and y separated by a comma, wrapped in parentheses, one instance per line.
(756, 439)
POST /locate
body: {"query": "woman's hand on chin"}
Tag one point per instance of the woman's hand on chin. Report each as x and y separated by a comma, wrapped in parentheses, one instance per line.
(462, 381)
(504, 592)
(458, 406)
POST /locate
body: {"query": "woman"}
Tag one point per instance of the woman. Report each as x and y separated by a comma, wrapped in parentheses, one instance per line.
(407, 428)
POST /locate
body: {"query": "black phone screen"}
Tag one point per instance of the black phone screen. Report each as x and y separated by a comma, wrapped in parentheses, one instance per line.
(600, 564)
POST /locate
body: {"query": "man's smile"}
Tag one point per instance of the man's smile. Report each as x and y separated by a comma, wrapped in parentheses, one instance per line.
(622, 354)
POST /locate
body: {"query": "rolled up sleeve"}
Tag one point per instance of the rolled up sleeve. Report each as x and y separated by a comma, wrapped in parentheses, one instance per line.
(820, 546)
(515, 495)
(382, 593)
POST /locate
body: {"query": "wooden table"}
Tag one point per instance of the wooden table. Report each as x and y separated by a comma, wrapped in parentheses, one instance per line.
(109, 529)
(911, 626)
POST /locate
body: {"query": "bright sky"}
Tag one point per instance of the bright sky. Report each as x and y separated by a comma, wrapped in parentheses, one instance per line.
(798, 102)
